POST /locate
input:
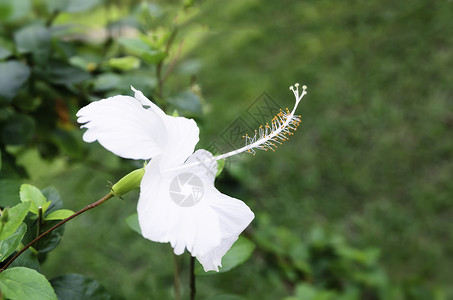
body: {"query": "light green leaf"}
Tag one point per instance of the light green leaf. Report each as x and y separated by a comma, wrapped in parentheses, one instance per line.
(132, 221)
(154, 56)
(23, 284)
(71, 5)
(59, 214)
(13, 74)
(76, 286)
(14, 10)
(8, 245)
(15, 217)
(125, 63)
(135, 45)
(241, 250)
(4, 53)
(220, 166)
(30, 193)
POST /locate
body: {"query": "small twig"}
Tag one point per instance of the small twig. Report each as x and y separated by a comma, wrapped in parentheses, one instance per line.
(160, 81)
(172, 64)
(176, 279)
(193, 290)
(92, 205)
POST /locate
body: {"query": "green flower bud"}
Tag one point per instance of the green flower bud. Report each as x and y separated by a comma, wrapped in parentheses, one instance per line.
(128, 183)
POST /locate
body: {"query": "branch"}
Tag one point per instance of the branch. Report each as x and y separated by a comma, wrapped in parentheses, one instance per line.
(92, 205)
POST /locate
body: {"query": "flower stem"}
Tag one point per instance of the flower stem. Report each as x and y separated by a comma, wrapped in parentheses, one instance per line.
(193, 290)
(176, 279)
(92, 205)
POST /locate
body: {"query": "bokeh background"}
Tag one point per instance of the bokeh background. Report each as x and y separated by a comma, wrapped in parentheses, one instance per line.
(357, 205)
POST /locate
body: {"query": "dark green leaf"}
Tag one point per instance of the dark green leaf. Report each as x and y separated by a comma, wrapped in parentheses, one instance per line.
(16, 215)
(23, 284)
(52, 195)
(30, 193)
(34, 39)
(76, 286)
(27, 259)
(9, 189)
(18, 130)
(62, 73)
(132, 221)
(13, 74)
(10, 244)
(227, 297)
(187, 101)
(49, 241)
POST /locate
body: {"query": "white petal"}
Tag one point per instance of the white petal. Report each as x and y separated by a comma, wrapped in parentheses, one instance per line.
(182, 133)
(207, 229)
(234, 216)
(122, 126)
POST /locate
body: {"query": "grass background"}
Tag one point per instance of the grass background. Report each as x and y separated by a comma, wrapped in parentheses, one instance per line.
(372, 160)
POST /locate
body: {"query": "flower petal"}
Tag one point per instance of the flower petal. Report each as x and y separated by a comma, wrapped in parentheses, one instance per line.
(121, 125)
(182, 133)
(184, 208)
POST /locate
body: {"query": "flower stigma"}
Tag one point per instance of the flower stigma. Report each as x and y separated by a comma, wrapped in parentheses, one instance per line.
(268, 136)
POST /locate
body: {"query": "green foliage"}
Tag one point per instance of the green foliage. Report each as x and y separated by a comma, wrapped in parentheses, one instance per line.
(20, 225)
(76, 286)
(10, 243)
(12, 218)
(22, 283)
(32, 194)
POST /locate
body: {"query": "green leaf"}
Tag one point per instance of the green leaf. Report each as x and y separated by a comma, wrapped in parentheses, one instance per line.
(16, 215)
(106, 81)
(135, 45)
(10, 244)
(153, 56)
(227, 297)
(241, 250)
(14, 10)
(187, 101)
(71, 6)
(125, 63)
(59, 214)
(9, 191)
(62, 73)
(132, 221)
(30, 193)
(220, 166)
(140, 48)
(34, 39)
(22, 284)
(27, 259)
(18, 130)
(49, 241)
(76, 286)
(4, 53)
(13, 74)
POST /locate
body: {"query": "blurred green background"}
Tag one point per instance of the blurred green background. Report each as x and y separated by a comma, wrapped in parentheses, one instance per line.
(370, 167)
